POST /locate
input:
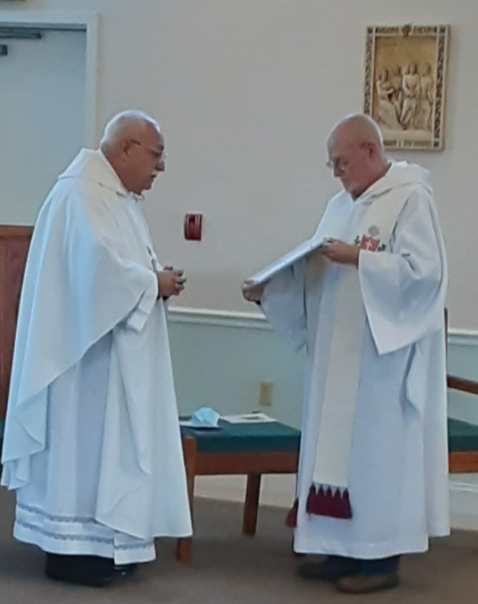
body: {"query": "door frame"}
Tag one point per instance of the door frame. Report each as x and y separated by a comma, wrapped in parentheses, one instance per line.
(70, 21)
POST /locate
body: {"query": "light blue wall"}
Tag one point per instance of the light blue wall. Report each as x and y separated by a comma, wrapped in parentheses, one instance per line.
(463, 362)
(220, 362)
(221, 365)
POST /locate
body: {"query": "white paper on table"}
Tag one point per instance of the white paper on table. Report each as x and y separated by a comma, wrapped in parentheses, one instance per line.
(248, 418)
(288, 259)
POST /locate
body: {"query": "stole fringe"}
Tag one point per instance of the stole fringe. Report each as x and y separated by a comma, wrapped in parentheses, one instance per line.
(323, 501)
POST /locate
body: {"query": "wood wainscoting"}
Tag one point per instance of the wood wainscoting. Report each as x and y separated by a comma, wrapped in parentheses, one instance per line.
(14, 244)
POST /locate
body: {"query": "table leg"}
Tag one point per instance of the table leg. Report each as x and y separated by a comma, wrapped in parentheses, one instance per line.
(249, 519)
(183, 546)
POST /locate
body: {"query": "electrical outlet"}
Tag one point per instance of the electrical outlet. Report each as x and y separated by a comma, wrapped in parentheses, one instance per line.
(265, 393)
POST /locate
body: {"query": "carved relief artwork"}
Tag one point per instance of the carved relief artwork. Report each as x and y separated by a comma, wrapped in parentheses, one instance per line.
(405, 80)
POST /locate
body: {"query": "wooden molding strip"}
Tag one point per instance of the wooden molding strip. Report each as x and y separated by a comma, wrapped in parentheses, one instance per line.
(8, 231)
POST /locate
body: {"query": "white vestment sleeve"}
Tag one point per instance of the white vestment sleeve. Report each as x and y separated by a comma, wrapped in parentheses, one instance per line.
(140, 314)
(404, 287)
(284, 305)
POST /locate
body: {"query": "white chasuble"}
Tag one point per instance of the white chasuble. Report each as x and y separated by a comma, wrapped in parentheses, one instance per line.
(92, 441)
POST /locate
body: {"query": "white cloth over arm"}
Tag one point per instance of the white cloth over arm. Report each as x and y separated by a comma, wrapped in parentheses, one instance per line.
(283, 303)
(404, 291)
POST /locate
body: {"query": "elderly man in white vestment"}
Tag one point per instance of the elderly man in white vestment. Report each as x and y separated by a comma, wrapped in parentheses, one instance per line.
(92, 442)
(368, 306)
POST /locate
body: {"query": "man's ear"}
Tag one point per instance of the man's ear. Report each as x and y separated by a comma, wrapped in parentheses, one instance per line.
(372, 149)
(125, 147)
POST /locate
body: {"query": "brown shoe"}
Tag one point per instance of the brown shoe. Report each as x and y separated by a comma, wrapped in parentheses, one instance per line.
(328, 570)
(361, 584)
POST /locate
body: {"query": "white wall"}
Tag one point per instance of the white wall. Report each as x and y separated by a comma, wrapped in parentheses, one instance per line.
(42, 85)
(247, 92)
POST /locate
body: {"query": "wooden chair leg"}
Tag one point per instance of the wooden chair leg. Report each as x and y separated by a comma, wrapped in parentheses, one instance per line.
(251, 505)
(183, 550)
(183, 546)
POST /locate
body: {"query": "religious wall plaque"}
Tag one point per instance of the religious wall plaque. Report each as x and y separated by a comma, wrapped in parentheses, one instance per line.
(405, 82)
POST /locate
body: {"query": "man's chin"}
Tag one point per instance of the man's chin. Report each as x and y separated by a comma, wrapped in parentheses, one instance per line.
(150, 183)
(349, 187)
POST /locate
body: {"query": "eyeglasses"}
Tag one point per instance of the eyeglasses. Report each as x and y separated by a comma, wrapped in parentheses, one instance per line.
(340, 163)
(159, 156)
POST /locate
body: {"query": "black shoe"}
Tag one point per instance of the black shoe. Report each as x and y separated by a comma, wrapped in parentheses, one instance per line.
(91, 571)
(124, 570)
(331, 569)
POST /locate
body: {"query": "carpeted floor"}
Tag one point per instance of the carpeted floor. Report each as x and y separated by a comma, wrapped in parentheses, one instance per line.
(228, 568)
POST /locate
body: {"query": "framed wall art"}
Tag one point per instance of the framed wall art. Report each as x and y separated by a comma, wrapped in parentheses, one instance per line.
(405, 83)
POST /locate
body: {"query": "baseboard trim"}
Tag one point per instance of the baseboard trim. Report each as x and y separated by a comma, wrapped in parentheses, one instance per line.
(464, 504)
(278, 491)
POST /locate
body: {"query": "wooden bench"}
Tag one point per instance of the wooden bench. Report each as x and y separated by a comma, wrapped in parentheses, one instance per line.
(251, 449)
(462, 436)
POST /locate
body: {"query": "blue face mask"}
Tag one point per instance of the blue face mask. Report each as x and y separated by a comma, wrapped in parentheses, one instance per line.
(205, 416)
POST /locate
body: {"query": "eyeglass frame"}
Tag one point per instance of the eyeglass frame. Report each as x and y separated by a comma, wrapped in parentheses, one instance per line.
(160, 156)
(340, 163)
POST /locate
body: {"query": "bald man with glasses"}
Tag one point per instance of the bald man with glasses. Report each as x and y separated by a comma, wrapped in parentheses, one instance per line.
(368, 306)
(92, 443)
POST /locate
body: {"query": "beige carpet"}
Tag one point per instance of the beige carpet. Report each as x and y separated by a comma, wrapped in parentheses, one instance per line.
(231, 569)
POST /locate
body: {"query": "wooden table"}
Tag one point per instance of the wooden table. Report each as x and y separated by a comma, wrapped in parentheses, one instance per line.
(251, 449)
